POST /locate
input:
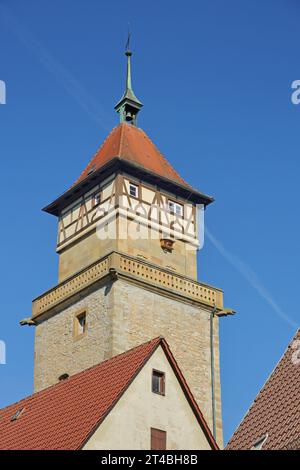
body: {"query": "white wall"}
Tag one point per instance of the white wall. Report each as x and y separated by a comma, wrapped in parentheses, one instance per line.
(127, 427)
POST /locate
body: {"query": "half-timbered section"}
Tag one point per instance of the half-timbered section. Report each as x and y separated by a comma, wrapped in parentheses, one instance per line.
(128, 215)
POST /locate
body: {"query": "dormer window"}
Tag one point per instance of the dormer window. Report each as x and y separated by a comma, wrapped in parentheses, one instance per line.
(133, 190)
(17, 414)
(175, 208)
(259, 443)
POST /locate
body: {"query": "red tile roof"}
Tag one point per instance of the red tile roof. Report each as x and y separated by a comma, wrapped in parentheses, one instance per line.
(64, 415)
(130, 149)
(276, 409)
(132, 144)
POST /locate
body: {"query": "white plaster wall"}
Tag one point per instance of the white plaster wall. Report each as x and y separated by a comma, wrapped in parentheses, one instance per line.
(127, 427)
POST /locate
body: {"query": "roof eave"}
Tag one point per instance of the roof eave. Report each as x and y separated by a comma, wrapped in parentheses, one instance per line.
(114, 165)
(131, 101)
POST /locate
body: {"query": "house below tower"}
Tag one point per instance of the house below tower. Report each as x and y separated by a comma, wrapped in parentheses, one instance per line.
(137, 400)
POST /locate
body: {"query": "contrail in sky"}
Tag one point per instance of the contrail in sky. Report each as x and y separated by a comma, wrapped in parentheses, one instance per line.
(73, 87)
(251, 277)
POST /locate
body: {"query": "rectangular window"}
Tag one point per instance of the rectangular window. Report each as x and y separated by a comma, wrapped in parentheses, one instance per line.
(96, 199)
(175, 208)
(133, 190)
(158, 439)
(158, 382)
(80, 324)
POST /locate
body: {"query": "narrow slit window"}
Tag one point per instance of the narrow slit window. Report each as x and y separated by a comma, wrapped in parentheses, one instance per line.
(158, 382)
(80, 324)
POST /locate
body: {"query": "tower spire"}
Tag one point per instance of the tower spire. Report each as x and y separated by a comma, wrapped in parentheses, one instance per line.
(128, 54)
(129, 105)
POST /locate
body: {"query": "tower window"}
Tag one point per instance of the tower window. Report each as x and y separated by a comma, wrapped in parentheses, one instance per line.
(158, 439)
(80, 325)
(158, 382)
(175, 208)
(133, 190)
(96, 199)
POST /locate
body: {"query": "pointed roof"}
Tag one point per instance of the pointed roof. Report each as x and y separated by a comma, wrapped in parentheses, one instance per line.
(55, 419)
(129, 93)
(128, 148)
(132, 144)
(275, 412)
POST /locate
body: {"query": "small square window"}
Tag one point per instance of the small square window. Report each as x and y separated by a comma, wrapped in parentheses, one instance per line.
(133, 190)
(80, 324)
(175, 208)
(158, 382)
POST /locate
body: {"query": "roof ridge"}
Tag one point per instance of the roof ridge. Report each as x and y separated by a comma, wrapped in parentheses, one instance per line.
(121, 138)
(182, 379)
(53, 415)
(94, 155)
(156, 342)
(165, 160)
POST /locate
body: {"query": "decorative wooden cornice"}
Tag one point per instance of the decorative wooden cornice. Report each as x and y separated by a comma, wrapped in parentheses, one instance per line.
(137, 270)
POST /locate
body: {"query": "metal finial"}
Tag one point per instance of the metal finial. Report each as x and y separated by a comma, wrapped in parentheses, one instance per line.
(129, 106)
(127, 47)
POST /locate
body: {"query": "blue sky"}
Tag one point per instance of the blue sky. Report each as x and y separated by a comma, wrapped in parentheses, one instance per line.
(215, 79)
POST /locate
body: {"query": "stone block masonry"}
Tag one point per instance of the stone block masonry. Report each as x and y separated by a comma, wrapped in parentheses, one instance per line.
(121, 315)
(57, 351)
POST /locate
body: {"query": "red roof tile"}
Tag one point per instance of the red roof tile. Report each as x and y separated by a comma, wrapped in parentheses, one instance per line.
(132, 144)
(64, 415)
(276, 409)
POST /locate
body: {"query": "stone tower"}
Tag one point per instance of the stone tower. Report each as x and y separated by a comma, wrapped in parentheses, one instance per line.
(127, 245)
